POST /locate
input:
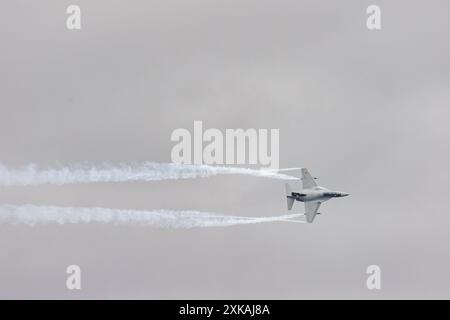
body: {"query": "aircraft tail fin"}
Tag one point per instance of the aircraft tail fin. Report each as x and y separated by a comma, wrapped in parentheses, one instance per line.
(289, 198)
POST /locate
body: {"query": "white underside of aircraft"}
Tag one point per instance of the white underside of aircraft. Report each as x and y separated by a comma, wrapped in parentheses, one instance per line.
(311, 194)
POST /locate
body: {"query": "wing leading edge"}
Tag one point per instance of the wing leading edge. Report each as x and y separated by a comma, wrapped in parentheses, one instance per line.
(311, 208)
(307, 180)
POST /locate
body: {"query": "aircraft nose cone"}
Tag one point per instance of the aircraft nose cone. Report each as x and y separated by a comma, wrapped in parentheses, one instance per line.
(343, 194)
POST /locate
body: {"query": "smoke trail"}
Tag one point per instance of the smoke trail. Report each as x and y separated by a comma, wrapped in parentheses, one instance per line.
(31, 175)
(37, 215)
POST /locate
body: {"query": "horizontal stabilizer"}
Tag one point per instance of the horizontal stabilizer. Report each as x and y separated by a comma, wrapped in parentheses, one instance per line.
(290, 199)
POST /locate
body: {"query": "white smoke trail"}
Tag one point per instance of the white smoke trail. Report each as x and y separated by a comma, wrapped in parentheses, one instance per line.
(32, 175)
(38, 215)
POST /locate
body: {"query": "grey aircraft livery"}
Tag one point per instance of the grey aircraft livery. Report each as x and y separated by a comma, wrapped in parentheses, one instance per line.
(311, 194)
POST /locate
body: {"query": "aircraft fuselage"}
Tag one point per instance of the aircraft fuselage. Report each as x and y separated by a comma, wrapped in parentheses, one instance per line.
(316, 194)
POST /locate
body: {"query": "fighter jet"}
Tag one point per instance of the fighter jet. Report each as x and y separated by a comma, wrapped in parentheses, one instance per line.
(311, 194)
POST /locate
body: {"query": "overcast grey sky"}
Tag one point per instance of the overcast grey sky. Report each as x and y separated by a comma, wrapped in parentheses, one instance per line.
(366, 111)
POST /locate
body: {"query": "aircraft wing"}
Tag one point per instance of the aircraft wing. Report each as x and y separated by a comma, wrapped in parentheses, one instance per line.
(307, 179)
(311, 208)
